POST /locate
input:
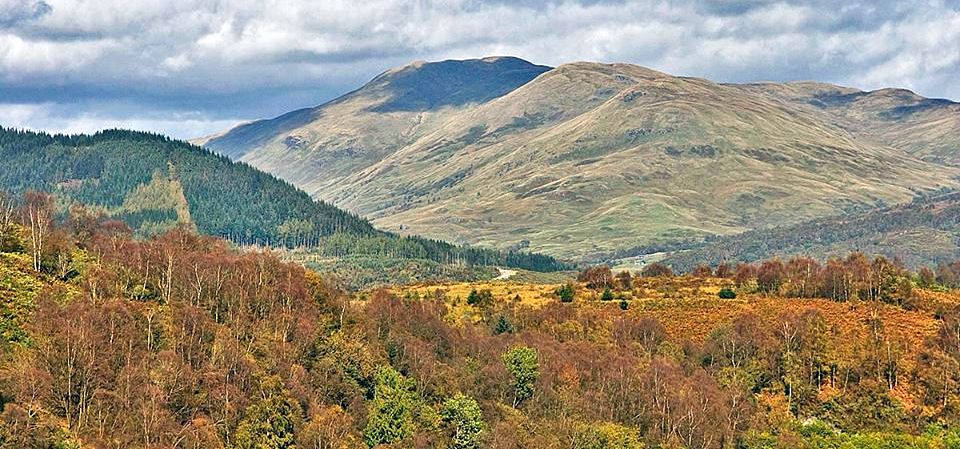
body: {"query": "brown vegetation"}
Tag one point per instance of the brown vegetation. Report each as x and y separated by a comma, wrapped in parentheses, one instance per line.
(181, 341)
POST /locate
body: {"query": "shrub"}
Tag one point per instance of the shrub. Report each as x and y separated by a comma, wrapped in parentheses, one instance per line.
(564, 292)
(482, 298)
(657, 269)
(702, 271)
(727, 293)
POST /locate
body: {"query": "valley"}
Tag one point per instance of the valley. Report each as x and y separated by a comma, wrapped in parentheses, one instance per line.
(426, 262)
(480, 224)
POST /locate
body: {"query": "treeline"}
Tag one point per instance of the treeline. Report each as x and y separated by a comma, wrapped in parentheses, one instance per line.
(180, 342)
(226, 199)
(359, 273)
(920, 232)
(854, 277)
(413, 247)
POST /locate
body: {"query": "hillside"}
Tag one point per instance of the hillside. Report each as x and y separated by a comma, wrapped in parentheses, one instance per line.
(589, 158)
(234, 349)
(364, 126)
(927, 128)
(154, 184)
(921, 232)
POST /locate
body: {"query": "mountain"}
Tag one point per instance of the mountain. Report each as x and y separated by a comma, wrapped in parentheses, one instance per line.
(588, 158)
(921, 232)
(927, 128)
(154, 183)
(400, 98)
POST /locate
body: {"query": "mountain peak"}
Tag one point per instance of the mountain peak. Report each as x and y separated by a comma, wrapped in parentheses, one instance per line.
(422, 85)
(622, 69)
(493, 60)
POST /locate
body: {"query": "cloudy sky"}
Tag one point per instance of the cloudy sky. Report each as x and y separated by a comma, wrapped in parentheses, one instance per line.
(192, 67)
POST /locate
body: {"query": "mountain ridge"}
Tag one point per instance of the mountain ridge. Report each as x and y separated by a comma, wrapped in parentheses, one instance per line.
(626, 155)
(398, 81)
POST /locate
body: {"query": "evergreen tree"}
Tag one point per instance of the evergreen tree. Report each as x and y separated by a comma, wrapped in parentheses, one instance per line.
(503, 326)
(523, 364)
(473, 298)
(391, 412)
(269, 423)
(463, 417)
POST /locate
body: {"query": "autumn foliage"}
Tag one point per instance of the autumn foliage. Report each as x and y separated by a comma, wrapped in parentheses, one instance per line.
(183, 341)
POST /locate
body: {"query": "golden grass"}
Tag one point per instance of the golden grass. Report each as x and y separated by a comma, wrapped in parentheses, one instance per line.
(690, 309)
(456, 293)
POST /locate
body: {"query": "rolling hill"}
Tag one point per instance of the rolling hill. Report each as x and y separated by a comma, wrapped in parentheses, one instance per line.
(154, 183)
(918, 233)
(588, 158)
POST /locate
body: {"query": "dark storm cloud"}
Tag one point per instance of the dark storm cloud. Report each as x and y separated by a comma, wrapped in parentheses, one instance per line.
(193, 66)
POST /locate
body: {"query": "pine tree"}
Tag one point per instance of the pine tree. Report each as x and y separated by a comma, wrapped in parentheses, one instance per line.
(523, 364)
(503, 326)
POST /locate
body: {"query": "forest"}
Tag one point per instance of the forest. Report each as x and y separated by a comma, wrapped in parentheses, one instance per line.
(923, 231)
(181, 340)
(154, 183)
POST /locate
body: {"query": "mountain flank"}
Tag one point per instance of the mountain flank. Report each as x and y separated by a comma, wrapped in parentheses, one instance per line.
(588, 158)
(155, 184)
(921, 232)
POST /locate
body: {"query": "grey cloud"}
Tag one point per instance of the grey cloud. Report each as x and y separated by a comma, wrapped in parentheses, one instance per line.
(196, 60)
(16, 12)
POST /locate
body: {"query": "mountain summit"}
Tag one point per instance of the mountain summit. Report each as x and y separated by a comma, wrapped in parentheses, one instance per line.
(413, 88)
(588, 158)
(423, 86)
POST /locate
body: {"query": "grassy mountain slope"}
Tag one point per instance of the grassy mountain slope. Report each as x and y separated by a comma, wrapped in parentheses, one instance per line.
(364, 126)
(928, 128)
(918, 233)
(155, 183)
(588, 158)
